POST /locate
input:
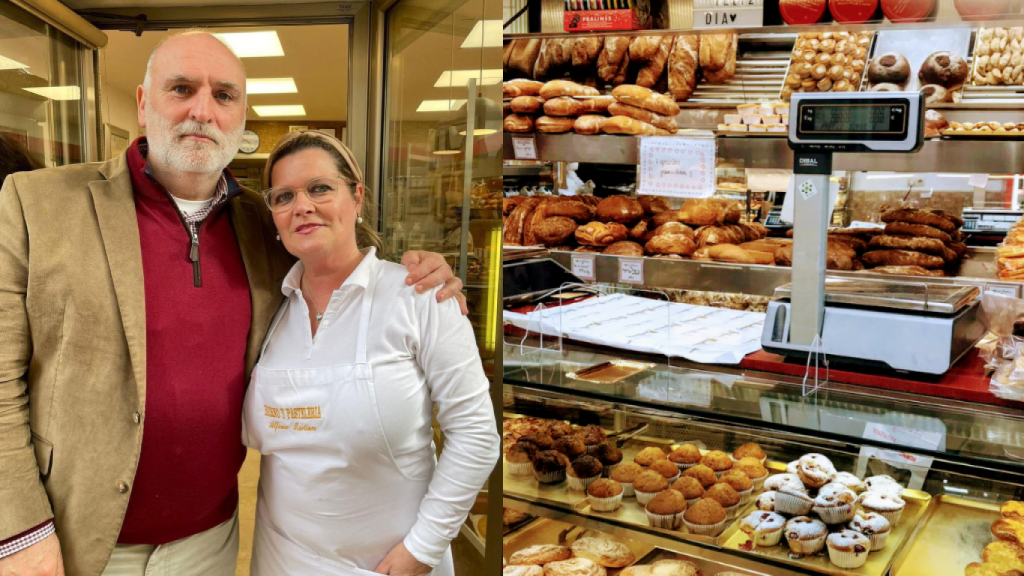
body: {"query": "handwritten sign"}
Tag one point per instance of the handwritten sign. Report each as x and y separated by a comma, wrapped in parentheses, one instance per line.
(631, 271)
(903, 438)
(583, 267)
(727, 13)
(677, 166)
(524, 148)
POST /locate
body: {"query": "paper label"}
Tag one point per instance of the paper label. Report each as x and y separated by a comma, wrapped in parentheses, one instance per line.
(524, 148)
(583, 267)
(1010, 291)
(728, 13)
(631, 271)
(905, 438)
(808, 189)
(677, 166)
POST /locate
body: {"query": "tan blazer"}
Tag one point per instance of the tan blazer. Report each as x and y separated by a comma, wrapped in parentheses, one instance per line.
(73, 348)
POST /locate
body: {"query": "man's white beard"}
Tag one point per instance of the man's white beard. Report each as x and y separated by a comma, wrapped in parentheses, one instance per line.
(188, 155)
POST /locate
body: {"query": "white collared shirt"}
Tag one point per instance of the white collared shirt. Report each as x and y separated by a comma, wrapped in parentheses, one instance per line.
(422, 353)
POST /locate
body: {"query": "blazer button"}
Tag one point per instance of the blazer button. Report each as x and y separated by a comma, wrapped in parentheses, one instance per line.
(137, 417)
(122, 487)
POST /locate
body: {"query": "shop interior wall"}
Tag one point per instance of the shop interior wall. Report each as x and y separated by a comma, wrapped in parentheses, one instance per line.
(871, 192)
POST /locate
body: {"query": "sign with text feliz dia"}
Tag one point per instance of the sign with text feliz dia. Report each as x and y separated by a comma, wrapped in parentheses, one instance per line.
(677, 166)
(710, 14)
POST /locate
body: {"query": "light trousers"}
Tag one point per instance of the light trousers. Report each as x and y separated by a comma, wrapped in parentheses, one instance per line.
(210, 553)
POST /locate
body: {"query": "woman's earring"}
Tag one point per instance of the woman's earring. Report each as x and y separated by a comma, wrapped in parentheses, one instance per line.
(278, 237)
(359, 219)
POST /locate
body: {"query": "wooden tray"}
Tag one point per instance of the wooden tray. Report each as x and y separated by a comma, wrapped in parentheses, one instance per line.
(950, 536)
(547, 531)
(878, 562)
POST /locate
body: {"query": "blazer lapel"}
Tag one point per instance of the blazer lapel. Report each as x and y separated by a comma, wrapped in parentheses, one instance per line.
(119, 226)
(245, 219)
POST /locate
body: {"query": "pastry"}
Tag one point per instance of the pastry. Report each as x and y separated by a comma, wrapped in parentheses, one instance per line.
(619, 208)
(608, 455)
(690, 488)
(520, 87)
(850, 481)
(1010, 529)
(685, 456)
(1004, 554)
(574, 567)
(886, 87)
(872, 525)
(705, 518)
(848, 549)
(764, 528)
(627, 125)
(517, 123)
(754, 469)
(605, 495)
(793, 501)
(554, 59)
(779, 481)
(520, 458)
(891, 68)
(647, 485)
(805, 536)
(666, 509)
(556, 88)
(901, 258)
(717, 55)
(750, 450)
(680, 244)
(889, 506)
(571, 446)
(600, 233)
(1012, 508)
(608, 61)
(522, 571)
(739, 481)
(624, 248)
(583, 471)
(815, 470)
(553, 124)
(649, 456)
(523, 56)
(626, 474)
(511, 517)
(607, 553)
(585, 51)
(540, 554)
(706, 212)
(654, 204)
(526, 104)
(834, 503)
(653, 118)
(589, 124)
(946, 69)
(682, 66)
(934, 123)
(654, 67)
(935, 94)
(563, 106)
(646, 99)
(916, 243)
(718, 461)
(766, 501)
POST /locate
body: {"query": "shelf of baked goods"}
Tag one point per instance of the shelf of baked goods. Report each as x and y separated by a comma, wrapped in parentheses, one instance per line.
(788, 502)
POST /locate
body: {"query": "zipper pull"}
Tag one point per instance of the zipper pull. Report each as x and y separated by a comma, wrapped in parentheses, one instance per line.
(197, 276)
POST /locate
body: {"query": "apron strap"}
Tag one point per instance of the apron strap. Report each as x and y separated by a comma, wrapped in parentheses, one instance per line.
(273, 326)
(364, 317)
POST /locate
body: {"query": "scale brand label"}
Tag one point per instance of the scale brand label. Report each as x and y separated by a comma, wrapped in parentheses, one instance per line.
(583, 267)
(727, 13)
(524, 148)
(631, 271)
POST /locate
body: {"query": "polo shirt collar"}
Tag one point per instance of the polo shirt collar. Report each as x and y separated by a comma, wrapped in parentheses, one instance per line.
(360, 276)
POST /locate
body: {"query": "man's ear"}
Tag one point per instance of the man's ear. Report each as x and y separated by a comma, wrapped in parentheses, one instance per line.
(140, 101)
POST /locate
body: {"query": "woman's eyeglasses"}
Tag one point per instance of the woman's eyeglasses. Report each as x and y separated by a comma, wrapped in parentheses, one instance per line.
(319, 190)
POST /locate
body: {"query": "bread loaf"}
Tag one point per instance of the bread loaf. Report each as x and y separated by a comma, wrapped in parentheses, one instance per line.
(703, 212)
(643, 48)
(714, 235)
(905, 271)
(834, 259)
(730, 253)
(596, 104)
(925, 217)
(918, 244)
(619, 208)
(624, 248)
(556, 88)
(653, 118)
(718, 57)
(513, 233)
(671, 244)
(622, 74)
(589, 124)
(506, 52)
(675, 228)
(627, 125)
(554, 124)
(682, 66)
(601, 234)
(662, 218)
(767, 245)
(517, 123)
(586, 50)
(555, 230)
(901, 258)
(539, 214)
(608, 61)
(571, 209)
(654, 204)
(908, 229)
(523, 57)
(526, 104)
(521, 87)
(563, 106)
(554, 58)
(647, 99)
(654, 68)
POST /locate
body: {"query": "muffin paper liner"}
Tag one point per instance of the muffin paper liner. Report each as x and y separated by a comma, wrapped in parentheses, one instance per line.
(705, 529)
(835, 514)
(787, 504)
(732, 511)
(878, 541)
(627, 489)
(847, 560)
(607, 471)
(691, 501)
(893, 516)
(592, 448)
(746, 497)
(520, 468)
(768, 539)
(666, 521)
(555, 477)
(644, 497)
(759, 482)
(684, 467)
(605, 504)
(807, 547)
(582, 483)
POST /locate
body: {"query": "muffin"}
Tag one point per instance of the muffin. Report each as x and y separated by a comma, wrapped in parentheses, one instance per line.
(690, 489)
(726, 496)
(647, 485)
(718, 461)
(780, 481)
(850, 481)
(706, 517)
(872, 525)
(520, 458)
(571, 446)
(609, 456)
(749, 451)
(685, 456)
(666, 469)
(558, 428)
(592, 437)
(815, 470)
(791, 467)
(542, 440)
(766, 501)
(891, 507)
(793, 502)
(649, 456)
(666, 510)
(754, 470)
(626, 474)
(764, 528)
(582, 471)
(549, 467)
(834, 503)
(848, 549)
(706, 476)
(605, 495)
(805, 536)
(740, 483)
(883, 484)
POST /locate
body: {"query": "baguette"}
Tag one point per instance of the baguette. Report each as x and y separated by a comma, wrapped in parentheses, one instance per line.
(622, 75)
(589, 124)
(643, 48)
(718, 57)
(554, 59)
(731, 253)
(523, 58)
(554, 124)
(653, 118)
(563, 106)
(682, 66)
(556, 88)
(627, 125)
(646, 99)
(520, 87)
(518, 123)
(526, 104)
(654, 68)
(506, 52)
(615, 49)
(586, 50)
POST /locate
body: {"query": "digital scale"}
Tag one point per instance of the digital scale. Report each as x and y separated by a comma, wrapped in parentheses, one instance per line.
(905, 325)
(990, 221)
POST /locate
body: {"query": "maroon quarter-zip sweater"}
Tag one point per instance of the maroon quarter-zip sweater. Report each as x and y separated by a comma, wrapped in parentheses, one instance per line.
(187, 479)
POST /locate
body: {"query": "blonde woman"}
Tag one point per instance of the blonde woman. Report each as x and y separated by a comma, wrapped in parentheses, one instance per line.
(340, 405)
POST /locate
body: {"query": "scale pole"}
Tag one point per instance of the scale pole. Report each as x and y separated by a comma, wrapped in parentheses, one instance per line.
(811, 171)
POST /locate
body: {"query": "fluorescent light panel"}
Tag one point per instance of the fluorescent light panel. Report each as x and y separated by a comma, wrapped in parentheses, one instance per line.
(440, 105)
(253, 44)
(284, 110)
(485, 34)
(270, 86)
(58, 92)
(451, 78)
(8, 64)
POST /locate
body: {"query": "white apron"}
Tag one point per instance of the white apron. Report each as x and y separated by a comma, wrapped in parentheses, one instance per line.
(332, 500)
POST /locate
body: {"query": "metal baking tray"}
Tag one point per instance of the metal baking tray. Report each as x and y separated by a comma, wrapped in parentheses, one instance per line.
(706, 566)
(547, 531)
(878, 562)
(611, 372)
(951, 535)
(899, 295)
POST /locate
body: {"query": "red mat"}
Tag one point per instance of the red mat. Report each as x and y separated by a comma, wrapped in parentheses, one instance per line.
(966, 380)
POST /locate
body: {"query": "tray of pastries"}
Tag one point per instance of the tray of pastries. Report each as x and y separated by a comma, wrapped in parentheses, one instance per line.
(762, 119)
(976, 130)
(551, 548)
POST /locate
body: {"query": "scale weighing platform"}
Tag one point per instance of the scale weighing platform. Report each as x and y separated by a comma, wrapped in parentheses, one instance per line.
(907, 324)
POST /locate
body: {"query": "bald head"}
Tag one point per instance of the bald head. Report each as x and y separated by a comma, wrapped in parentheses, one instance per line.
(204, 41)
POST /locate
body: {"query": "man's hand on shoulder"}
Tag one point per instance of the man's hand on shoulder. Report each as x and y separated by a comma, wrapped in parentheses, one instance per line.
(429, 269)
(40, 559)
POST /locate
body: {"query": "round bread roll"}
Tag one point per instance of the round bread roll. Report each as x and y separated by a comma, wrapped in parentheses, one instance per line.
(675, 228)
(944, 68)
(575, 567)
(607, 553)
(621, 209)
(934, 123)
(665, 217)
(554, 124)
(575, 210)
(540, 554)
(933, 94)
(671, 244)
(654, 204)
(890, 67)
(522, 570)
(555, 230)
(886, 87)
(624, 248)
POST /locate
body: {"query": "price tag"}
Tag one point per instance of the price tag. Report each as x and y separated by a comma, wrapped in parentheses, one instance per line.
(978, 180)
(677, 166)
(1011, 291)
(904, 438)
(728, 13)
(524, 148)
(583, 267)
(928, 194)
(631, 271)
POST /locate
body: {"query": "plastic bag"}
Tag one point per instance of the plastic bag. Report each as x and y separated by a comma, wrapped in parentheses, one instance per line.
(999, 314)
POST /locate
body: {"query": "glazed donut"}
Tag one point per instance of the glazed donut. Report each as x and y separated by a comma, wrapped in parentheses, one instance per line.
(671, 244)
(945, 69)
(902, 258)
(815, 470)
(890, 67)
(915, 243)
(555, 230)
(886, 87)
(934, 93)
(907, 229)
(920, 217)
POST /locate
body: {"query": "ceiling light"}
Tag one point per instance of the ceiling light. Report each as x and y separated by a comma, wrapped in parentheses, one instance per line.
(270, 86)
(285, 110)
(8, 64)
(451, 78)
(252, 44)
(58, 92)
(485, 34)
(440, 105)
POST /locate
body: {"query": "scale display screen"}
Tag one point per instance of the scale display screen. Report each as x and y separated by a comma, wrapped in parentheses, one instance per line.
(858, 122)
(858, 118)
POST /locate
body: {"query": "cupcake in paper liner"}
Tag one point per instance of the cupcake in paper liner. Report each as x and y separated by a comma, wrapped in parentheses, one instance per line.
(727, 496)
(605, 495)
(592, 436)
(718, 461)
(609, 456)
(872, 525)
(705, 518)
(580, 484)
(805, 535)
(647, 485)
(549, 467)
(885, 484)
(754, 470)
(625, 474)
(685, 457)
(706, 476)
(649, 456)
(741, 484)
(780, 481)
(666, 469)
(666, 510)
(834, 503)
(815, 470)
(690, 488)
(888, 506)
(749, 451)
(792, 502)
(764, 528)
(850, 481)
(582, 471)
(519, 458)
(765, 501)
(848, 549)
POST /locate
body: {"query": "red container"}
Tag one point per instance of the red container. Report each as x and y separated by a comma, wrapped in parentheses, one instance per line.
(985, 9)
(854, 11)
(909, 10)
(590, 20)
(797, 12)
